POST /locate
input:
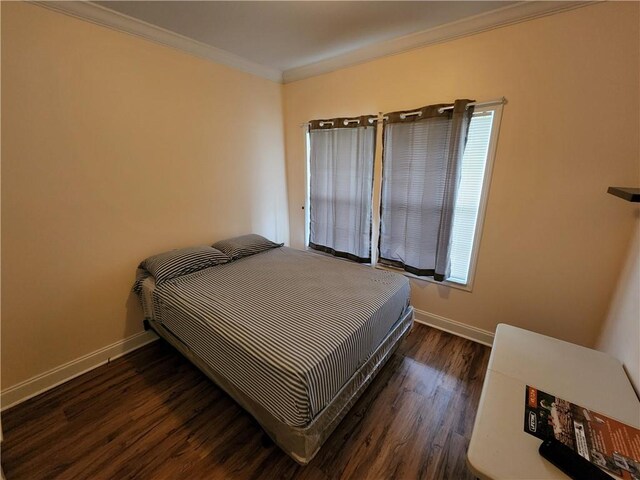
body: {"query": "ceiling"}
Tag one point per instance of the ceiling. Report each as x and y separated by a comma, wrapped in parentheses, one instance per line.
(286, 41)
(286, 35)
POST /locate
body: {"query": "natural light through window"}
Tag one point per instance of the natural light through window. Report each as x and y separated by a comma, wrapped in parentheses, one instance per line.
(469, 197)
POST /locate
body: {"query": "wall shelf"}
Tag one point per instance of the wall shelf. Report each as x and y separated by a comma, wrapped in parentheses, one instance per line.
(626, 193)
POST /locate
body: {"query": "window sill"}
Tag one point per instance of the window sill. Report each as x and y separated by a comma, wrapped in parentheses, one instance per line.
(379, 266)
(307, 248)
(446, 283)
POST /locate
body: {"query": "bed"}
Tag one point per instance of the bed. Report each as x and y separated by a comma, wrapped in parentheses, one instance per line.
(294, 337)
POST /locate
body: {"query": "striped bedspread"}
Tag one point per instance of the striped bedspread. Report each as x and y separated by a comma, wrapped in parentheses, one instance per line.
(286, 327)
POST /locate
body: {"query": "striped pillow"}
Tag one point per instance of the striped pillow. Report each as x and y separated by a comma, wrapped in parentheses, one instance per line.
(175, 263)
(245, 245)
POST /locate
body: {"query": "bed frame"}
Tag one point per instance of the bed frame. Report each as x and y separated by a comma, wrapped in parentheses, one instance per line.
(303, 443)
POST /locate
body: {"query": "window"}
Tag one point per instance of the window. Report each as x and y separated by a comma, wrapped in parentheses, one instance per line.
(341, 155)
(468, 209)
(472, 192)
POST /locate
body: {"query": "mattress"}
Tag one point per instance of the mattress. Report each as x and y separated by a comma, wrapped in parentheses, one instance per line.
(286, 328)
(303, 443)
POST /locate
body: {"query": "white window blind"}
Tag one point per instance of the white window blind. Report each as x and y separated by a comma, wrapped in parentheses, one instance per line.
(467, 205)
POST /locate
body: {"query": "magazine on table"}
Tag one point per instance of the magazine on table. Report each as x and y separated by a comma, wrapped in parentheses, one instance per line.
(603, 441)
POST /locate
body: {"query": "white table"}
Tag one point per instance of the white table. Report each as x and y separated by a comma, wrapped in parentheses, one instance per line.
(499, 447)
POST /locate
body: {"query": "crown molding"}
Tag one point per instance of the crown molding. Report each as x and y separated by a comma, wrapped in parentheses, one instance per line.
(508, 15)
(500, 17)
(100, 15)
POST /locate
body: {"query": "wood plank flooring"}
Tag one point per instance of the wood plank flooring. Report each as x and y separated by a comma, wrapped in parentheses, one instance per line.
(152, 415)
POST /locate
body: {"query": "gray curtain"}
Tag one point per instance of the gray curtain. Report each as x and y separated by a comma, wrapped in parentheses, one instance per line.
(341, 182)
(423, 151)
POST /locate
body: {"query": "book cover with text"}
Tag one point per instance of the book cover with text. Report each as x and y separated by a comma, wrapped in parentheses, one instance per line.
(603, 441)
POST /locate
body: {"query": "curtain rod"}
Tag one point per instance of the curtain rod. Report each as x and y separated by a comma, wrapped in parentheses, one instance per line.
(498, 101)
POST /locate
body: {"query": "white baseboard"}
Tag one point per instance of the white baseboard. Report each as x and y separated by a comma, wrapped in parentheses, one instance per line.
(56, 376)
(463, 330)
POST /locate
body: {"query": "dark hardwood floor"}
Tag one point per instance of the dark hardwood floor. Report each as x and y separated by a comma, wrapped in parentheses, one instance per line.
(152, 415)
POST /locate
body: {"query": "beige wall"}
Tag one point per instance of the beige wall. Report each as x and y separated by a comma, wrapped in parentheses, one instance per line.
(115, 148)
(620, 335)
(553, 240)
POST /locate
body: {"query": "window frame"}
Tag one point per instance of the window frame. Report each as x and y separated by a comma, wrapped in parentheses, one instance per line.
(376, 201)
(307, 193)
(484, 196)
